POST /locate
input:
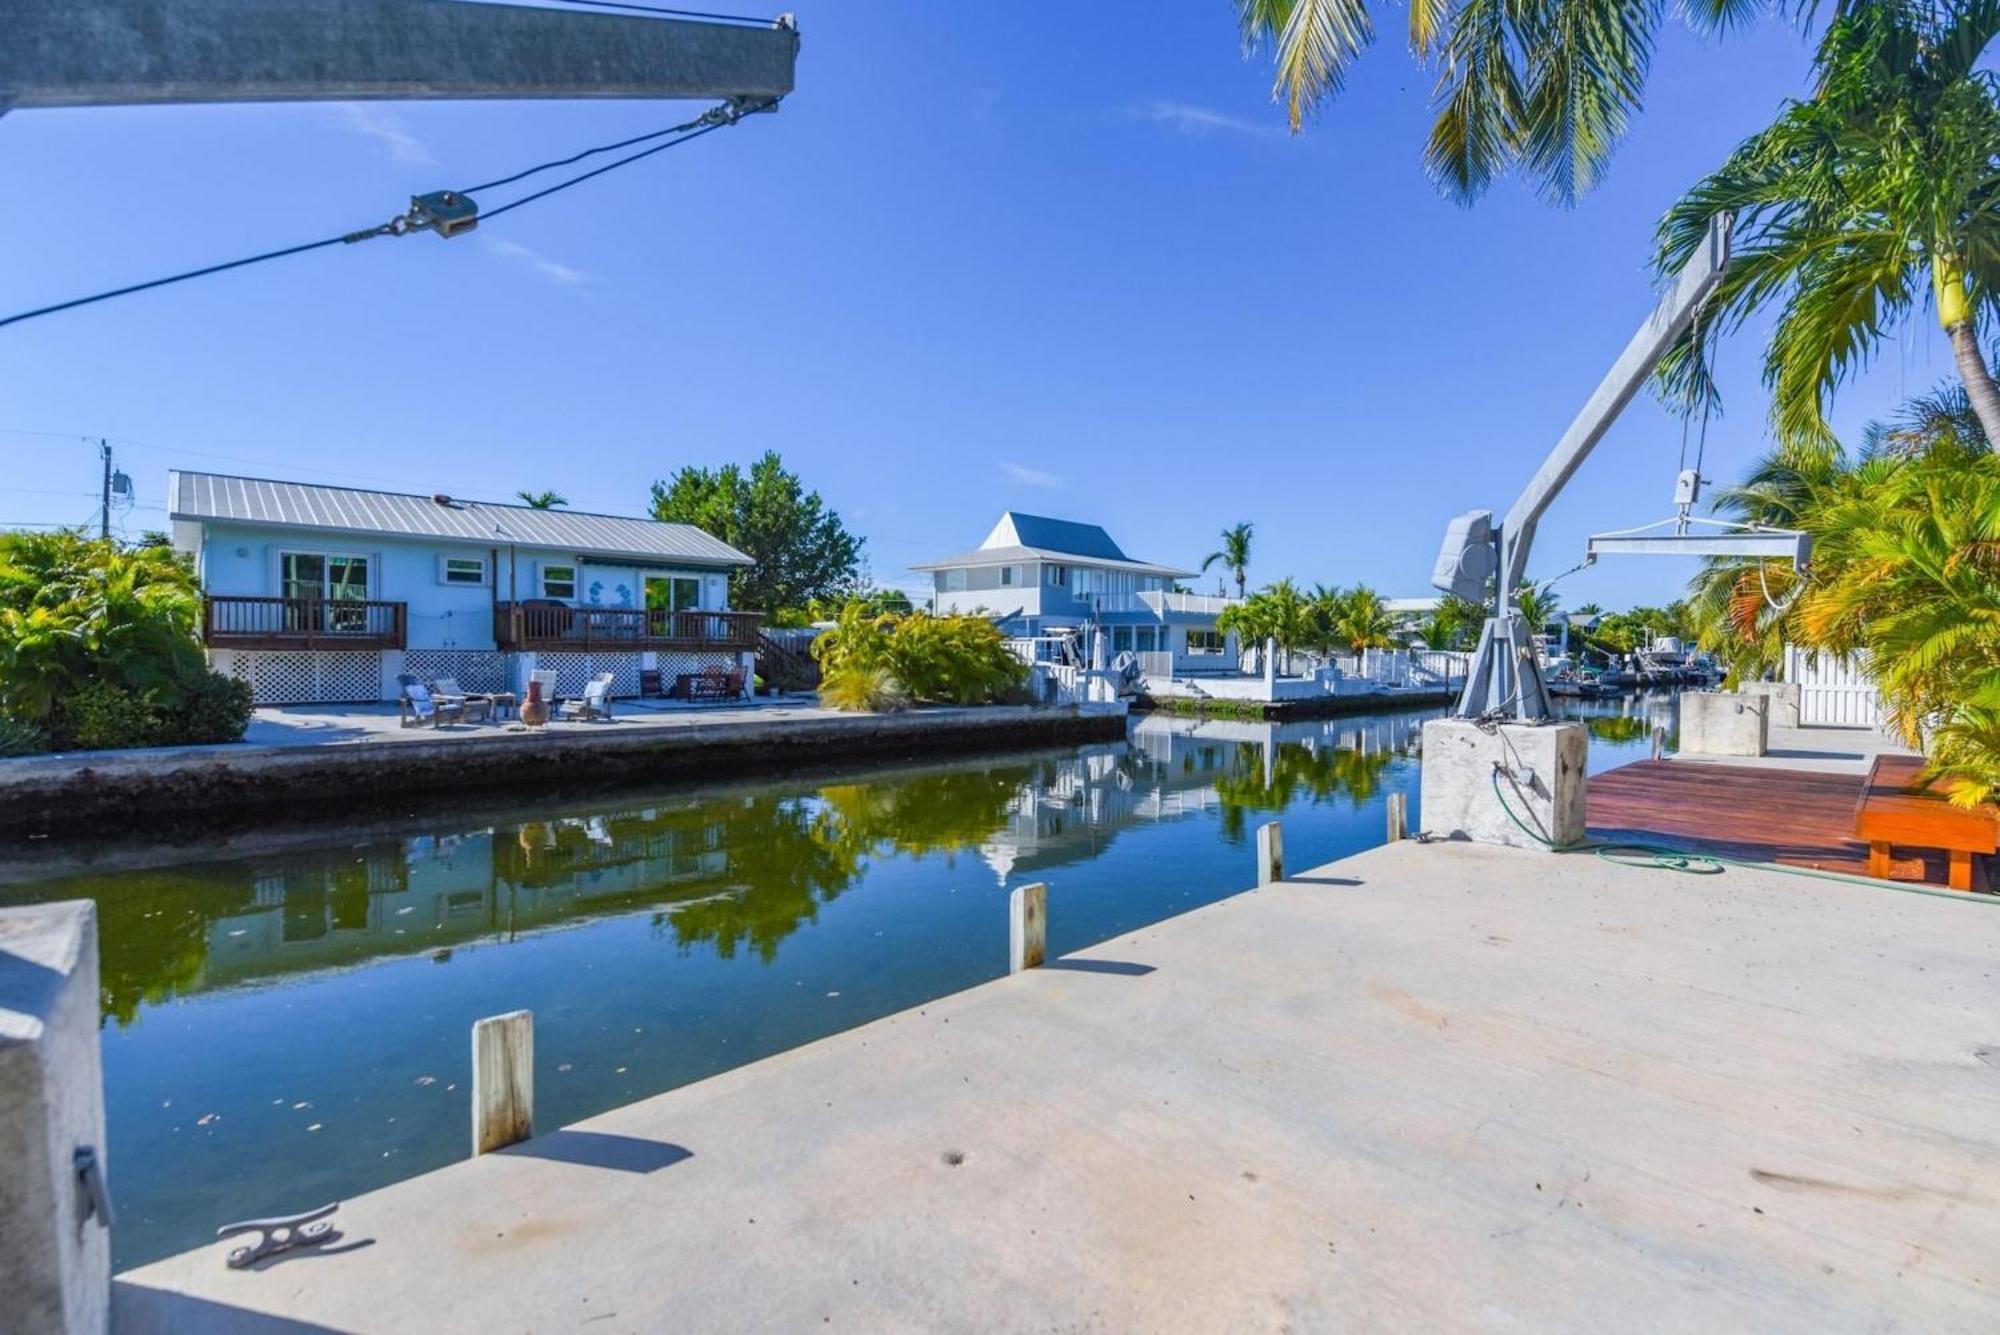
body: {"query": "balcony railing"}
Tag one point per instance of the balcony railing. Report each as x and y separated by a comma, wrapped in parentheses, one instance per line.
(554, 627)
(238, 621)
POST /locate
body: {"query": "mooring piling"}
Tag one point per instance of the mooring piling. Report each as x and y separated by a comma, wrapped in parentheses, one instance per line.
(1027, 927)
(1270, 853)
(503, 1080)
(1399, 816)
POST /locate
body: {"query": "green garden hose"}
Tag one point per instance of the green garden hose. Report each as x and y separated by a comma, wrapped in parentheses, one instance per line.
(1661, 857)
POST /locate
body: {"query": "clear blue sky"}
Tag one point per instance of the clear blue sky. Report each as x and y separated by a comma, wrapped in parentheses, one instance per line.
(1063, 260)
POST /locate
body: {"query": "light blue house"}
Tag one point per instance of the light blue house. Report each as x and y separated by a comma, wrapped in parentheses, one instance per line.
(1037, 576)
(326, 594)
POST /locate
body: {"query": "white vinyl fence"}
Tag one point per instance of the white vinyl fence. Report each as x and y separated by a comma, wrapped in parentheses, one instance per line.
(1834, 691)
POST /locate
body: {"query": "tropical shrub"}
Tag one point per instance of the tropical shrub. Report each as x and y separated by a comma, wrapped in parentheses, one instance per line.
(98, 645)
(21, 739)
(864, 691)
(950, 659)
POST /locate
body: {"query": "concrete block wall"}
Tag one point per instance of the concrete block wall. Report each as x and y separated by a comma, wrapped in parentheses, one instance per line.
(1725, 725)
(1541, 769)
(55, 1259)
(1784, 698)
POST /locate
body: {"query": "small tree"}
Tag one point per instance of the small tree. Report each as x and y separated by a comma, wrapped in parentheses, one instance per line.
(542, 500)
(1233, 555)
(801, 550)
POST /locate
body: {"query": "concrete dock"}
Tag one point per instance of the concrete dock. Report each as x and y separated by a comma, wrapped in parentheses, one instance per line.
(361, 755)
(1432, 1087)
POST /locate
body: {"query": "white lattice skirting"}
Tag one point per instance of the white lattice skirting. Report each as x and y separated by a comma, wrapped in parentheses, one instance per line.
(306, 676)
(475, 669)
(574, 671)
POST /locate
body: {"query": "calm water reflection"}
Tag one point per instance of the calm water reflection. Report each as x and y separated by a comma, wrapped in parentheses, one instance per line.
(291, 1027)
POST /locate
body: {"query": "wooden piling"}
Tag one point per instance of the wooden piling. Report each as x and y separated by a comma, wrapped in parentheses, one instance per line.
(1659, 742)
(503, 1080)
(1399, 816)
(1270, 853)
(1027, 927)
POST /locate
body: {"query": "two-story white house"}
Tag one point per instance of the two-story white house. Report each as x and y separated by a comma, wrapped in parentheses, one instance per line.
(1037, 576)
(327, 594)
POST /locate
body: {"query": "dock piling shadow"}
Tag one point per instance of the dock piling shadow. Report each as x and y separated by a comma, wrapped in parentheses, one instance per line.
(602, 1149)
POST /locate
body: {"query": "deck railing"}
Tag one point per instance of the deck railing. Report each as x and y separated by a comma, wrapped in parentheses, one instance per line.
(242, 621)
(551, 627)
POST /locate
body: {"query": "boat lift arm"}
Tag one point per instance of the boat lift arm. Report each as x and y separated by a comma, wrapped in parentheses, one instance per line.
(1505, 675)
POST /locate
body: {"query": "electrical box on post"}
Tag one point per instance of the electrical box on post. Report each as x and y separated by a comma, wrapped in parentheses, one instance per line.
(1467, 559)
(1687, 487)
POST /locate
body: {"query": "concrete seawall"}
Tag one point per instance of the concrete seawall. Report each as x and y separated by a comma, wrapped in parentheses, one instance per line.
(130, 789)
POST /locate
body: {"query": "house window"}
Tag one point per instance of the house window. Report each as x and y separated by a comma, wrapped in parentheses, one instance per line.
(1059, 576)
(324, 575)
(559, 582)
(1142, 640)
(952, 581)
(1121, 639)
(1205, 642)
(1009, 576)
(461, 570)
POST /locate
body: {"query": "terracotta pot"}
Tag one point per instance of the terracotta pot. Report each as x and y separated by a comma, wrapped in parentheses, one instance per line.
(534, 709)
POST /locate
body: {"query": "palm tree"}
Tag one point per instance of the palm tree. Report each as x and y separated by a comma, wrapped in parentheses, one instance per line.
(1364, 620)
(1234, 554)
(1548, 85)
(1854, 207)
(1537, 605)
(542, 500)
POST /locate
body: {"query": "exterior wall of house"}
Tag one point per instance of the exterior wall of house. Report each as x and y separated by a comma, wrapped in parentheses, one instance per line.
(449, 626)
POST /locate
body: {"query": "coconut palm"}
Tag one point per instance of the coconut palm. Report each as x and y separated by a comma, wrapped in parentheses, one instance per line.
(1857, 205)
(542, 500)
(1542, 84)
(1233, 555)
(1364, 621)
(1538, 605)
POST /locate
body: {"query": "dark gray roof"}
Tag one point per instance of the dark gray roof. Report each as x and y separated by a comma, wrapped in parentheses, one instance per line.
(1066, 536)
(218, 498)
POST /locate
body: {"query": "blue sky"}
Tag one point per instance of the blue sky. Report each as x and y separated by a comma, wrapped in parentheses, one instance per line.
(1058, 259)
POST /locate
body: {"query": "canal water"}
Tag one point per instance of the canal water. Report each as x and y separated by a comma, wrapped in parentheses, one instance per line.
(290, 1027)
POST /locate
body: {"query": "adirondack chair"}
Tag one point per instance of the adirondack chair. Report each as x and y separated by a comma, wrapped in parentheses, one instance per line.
(418, 707)
(596, 701)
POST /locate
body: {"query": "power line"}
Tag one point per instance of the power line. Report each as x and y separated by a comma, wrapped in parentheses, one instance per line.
(674, 13)
(423, 214)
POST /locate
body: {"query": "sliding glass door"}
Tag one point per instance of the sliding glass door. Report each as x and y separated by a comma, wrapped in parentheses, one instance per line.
(313, 580)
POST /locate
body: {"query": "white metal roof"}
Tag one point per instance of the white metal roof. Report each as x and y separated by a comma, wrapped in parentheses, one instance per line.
(219, 498)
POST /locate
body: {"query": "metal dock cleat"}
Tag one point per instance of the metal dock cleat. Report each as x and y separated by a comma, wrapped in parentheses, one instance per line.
(282, 1234)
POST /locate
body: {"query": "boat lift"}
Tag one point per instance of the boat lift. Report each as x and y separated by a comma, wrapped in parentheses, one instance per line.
(1505, 681)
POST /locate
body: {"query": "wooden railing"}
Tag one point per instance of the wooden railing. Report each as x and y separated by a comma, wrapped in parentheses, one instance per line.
(540, 627)
(241, 621)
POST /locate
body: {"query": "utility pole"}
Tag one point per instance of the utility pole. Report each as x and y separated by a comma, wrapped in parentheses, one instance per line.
(104, 515)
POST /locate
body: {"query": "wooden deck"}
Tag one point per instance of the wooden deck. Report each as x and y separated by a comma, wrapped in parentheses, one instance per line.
(1797, 817)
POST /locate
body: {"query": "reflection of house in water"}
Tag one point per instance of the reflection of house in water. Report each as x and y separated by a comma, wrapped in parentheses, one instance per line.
(429, 893)
(1172, 768)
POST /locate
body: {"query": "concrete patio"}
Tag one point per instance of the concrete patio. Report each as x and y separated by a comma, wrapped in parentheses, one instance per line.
(1432, 1087)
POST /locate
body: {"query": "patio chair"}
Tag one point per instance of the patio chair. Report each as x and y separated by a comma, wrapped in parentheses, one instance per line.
(418, 707)
(596, 701)
(445, 690)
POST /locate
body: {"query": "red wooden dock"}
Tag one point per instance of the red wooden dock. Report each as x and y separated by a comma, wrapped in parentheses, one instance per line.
(1797, 817)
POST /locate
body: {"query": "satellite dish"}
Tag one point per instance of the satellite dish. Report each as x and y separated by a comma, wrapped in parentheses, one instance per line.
(1467, 559)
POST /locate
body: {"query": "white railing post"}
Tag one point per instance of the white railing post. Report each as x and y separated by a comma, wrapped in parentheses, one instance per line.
(1027, 927)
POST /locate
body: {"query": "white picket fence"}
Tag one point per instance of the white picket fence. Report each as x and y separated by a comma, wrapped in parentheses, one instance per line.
(1834, 692)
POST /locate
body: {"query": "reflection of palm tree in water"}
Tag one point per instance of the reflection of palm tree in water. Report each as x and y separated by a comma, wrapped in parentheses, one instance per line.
(1320, 774)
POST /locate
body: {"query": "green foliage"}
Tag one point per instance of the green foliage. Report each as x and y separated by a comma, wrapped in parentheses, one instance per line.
(1234, 554)
(100, 715)
(1860, 205)
(1544, 86)
(872, 690)
(951, 659)
(98, 645)
(541, 500)
(1906, 570)
(1453, 624)
(801, 550)
(21, 739)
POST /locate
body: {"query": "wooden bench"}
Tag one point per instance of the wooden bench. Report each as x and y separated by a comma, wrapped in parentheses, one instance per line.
(1890, 812)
